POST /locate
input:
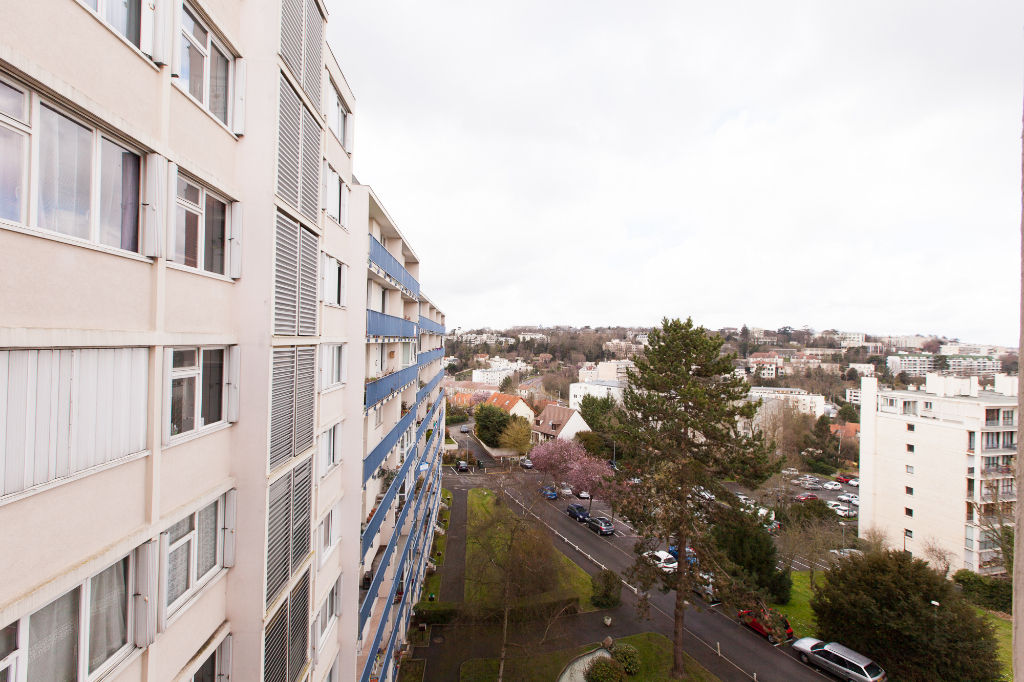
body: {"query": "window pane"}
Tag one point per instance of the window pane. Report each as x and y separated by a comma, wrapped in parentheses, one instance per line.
(12, 173)
(207, 550)
(219, 85)
(124, 16)
(213, 385)
(183, 358)
(65, 174)
(177, 572)
(192, 64)
(108, 613)
(186, 238)
(193, 27)
(188, 191)
(213, 236)
(53, 641)
(119, 197)
(180, 529)
(8, 640)
(207, 671)
(183, 405)
(12, 101)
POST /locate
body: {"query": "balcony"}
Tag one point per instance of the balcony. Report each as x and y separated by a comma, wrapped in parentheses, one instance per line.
(428, 356)
(423, 392)
(382, 326)
(383, 259)
(385, 386)
(429, 325)
(380, 452)
(996, 471)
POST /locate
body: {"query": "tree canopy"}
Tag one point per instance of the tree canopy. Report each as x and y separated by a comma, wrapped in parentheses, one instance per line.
(516, 435)
(490, 422)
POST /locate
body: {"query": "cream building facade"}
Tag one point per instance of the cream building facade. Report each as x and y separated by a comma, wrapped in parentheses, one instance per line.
(228, 486)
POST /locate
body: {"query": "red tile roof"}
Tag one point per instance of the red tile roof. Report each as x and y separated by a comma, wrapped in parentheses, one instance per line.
(505, 401)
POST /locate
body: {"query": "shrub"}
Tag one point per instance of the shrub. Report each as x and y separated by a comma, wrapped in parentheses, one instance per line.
(605, 669)
(985, 591)
(607, 589)
(628, 656)
(436, 612)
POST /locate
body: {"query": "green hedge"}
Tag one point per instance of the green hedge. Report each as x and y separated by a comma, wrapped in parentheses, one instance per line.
(989, 593)
(436, 612)
(605, 670)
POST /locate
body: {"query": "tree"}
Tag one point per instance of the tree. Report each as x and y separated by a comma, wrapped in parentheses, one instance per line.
(940, 362)
(490, 422)
(852, 375)
(566, 460)
(598, 413)
(595, 444)
(509, 384)
(996, 517)
(896, 610)
(516, 435)
(848, 413)
(745, 542)
(682, 411)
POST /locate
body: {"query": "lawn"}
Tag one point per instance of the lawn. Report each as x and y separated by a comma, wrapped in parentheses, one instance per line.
(655, 656)
(480, 504)
(1004, 639)
(412, 670)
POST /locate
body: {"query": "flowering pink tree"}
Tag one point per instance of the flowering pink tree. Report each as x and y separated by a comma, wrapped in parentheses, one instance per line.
(568, 461)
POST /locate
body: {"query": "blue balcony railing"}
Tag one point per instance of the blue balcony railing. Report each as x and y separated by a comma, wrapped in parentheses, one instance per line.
(428, 356)
(381, 325)
(426, 423)
(423, 392)
(380, 452)
(429, 325)
(389, 264)
(373, 525)
(379, 389)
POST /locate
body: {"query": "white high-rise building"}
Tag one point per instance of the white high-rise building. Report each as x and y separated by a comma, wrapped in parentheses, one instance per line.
(934, 463)
(214, 455)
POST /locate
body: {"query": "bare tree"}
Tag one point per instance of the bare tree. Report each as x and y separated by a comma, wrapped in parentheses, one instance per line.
(875, 538)
(995, 516)
(940, 558)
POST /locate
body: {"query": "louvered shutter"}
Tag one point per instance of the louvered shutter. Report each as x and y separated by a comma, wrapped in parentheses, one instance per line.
(311, 165)
(312, 53)
(309, 255)
(298, 628)
(289, 135)
(161, 602)
(282, 406)
(175, 36)
(302, 498)
(305, 397)
(278, 535)
(230, 526)
(286, 276)
(238, 106)
(225, 658)
(275, 646)
(291, 34)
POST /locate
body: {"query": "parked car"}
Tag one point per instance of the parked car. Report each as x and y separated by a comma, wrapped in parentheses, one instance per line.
(549, 493)
(810, 485)
(578, 512)
(583, 494)
(846, 512)
(845, 553)
(845, 497)
(844, 478)
(464, 428)
(463, 465)
(704, 587)
(855, 482)
(758, 623)
(832, 504)
(564, 490)
(805, 497)
(744, 500)
(600, 525)
(526, 463)
(691, 556)
(855, 502)
(832, 485)
(838, 659)
(663, 560)
(790, 471)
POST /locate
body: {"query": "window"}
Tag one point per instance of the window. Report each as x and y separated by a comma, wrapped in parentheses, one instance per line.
(910, 469)
(910, 427)
(907, 511)
(908, 490)
(69, 410)
(990, 440)
(336, 196)
(124, 16)
(286, 640)
(910, 448)
(296, 259)
(378, 416)
(79, 636)
(927, 405)
(908, 533)
(201, 234)
(339, 118)
(334, 365)
(971, 437)
(335, 281)
(328, 534)
(196, 388)
(889, 402)
(193, 551)
(205, 69)
(330, 449)
(218, 666)
(328, 613)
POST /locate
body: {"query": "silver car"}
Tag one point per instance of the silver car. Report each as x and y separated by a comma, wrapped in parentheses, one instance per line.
(846, 663)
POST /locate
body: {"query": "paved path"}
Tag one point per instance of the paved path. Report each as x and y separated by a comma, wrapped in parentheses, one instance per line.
(453, 573)
(574, 671)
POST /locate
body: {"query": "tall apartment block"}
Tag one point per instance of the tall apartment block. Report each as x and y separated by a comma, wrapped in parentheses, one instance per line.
(220, 418)
(937, 466)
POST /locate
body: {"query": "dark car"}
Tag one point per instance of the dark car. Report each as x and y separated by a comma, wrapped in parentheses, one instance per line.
(805, 497)
(549, 493)
(757, 623)
(464, 428)
(600, 525)
(578, 512)
(463, 465)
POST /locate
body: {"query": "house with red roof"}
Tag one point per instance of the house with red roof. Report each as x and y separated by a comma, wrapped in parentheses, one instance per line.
(512, 404)
(557, 422)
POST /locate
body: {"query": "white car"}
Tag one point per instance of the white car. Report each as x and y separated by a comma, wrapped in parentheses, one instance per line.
(845, 497)
(564, 490)
(744, 499)
(832, 485)
(846, 512)
(662, 559)
(583, 495)
(790, 471)
(855, 482)
(832, 504)
(855, 502)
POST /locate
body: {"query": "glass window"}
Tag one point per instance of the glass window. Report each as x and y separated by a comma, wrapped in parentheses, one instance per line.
(197, 393)
(201, 231)
(336, 114)
(214, 237)
(119, 196)
(53, 640)
(205, 66)
(213, 385)
(108, 614)
(12, 102)
(194, 552)
(125, 17)
(65, 174)
(12, 173)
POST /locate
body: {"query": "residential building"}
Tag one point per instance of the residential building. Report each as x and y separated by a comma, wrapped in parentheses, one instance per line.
(807, 403)
(851, 339)
(596, 388)
(864, 369)
(915, 365)
(556, 421)
(511, 404)
(587, 372)
(533, 336)
(202, 392)
(853, 395)
(934, 462)
(614, 370)
(974, 365)
(492, 376)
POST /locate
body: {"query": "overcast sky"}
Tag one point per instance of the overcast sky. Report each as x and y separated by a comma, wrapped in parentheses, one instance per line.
(834, 164)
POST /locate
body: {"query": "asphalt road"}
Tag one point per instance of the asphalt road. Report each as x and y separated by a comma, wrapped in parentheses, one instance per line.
(708, 627)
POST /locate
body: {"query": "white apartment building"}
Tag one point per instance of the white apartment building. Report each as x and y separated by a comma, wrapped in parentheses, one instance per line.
(974, 365)
(614, 370)
(596, 388)
(194, 378)
(492, 376)
(853, 396)
(851, 339)
(864, 369)
(933, 461)
(807, 403)
(915, 365)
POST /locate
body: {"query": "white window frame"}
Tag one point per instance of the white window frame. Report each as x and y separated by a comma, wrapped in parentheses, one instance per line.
(222, 660)
(16, 664)
(329, 449)
(196, 371)
(232, 227)
(196, 582)
(99, 13)
(327, 614)
(212, 42)
(338, 115)
(328, 534)
(335, 282)
(333, 365)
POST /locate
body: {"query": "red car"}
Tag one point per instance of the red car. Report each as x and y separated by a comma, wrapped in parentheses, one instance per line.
(845, 478)
(805, 497)
(753, 622)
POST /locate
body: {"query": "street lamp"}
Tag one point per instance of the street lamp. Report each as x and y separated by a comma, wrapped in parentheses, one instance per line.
(843, 526)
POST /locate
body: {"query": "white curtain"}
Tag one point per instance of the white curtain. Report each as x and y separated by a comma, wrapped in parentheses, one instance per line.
(108, 613)
(53, 641)
(207, 558)
(65, 174)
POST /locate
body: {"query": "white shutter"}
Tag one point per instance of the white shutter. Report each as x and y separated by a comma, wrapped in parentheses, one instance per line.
(291, 34)
(325, 276)
(336, 606)
(282, 406)
(168, 356)
(305, 397)
(161, 13)
(312, 49)
(232, 375)
(344, 362)
(349, 132)
(278, 534)
(171, 219)
(275, 647)
(154, 210)
(302, 511)
(225, 659)
(235, 241)
(147, 27)
(324, 372)
(161, 602)
(345, 192)
(311, 160)
(325, 173)
(289, 136)
(286, 276)
(175, 38)
(335, 526)
(309, 257)
(343, 285)
(314, 639)
(238, 107)
(230, 526)
(146, 594)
